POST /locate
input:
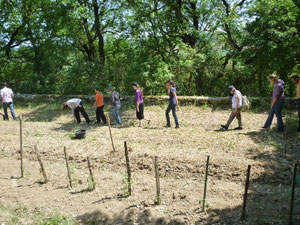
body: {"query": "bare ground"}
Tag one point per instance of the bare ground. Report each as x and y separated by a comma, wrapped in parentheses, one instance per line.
(182, 157)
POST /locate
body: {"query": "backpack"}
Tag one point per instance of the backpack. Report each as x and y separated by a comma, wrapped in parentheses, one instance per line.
(246, 104)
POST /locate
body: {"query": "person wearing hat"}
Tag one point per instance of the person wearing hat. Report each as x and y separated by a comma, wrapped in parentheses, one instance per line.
(115, 100)
(139, 103)
(276, 103)
(76, 104)
(99, 102)
(237, 103)
(296, 80)
(7, 96)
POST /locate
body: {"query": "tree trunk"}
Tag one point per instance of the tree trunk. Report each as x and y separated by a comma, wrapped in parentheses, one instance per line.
(101, 54)
(199, 81)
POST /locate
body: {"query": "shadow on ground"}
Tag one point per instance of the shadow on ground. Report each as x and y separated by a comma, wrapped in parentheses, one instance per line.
(130, 218)
(269, 192)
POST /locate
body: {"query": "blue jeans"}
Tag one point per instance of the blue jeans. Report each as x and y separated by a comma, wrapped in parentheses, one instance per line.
(12, 111)
(277, 111)
(173, 108)
(116, 111)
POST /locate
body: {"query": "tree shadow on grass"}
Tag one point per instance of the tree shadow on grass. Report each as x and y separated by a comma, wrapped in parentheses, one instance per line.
(44, 113)
(130, 218)
(270, 182)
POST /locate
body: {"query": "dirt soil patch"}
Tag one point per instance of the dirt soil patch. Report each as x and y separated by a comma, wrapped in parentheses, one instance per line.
(182, 157)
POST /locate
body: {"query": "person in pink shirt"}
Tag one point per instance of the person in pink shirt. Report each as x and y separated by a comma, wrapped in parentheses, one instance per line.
(7, 96)
(139, 103)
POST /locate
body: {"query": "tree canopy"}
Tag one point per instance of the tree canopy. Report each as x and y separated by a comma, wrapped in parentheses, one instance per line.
(69, 46)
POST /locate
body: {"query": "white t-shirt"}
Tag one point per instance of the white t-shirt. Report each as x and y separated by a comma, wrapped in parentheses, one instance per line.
(234, 100)
(7, 94)
(73, 103)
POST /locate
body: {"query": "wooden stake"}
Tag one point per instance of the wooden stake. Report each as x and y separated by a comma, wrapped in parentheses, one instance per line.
(111, 137)
(128, 168)
(292, 195)
(68, 169)
(91, 174)
(246, 193)
(158, 197)
(205, 184)
(21, 145)
(41, 164)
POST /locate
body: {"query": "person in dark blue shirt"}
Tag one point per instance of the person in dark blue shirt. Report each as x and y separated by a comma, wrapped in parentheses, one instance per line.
(173, 103)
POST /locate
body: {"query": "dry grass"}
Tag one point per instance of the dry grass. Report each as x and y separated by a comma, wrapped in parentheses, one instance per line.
(182, 155)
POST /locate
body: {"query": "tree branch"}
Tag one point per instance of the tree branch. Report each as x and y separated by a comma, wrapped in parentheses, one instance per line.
(241, 3)
(227, 8)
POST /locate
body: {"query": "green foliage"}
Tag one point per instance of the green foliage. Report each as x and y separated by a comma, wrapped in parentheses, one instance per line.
(157, 200)
(91, 183)
(126, 185)
(66, 47)
(56, 220)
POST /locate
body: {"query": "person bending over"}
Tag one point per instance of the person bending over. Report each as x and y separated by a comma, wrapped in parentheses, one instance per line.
(76, 105)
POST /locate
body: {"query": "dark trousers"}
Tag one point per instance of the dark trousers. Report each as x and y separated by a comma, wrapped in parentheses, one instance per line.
(100, 115)
(83, 112)
(277, 108)
(173, 108)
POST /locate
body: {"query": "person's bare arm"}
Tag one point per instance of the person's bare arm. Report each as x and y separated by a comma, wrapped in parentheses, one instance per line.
(95, 102)
(273, 102)
(137, 106)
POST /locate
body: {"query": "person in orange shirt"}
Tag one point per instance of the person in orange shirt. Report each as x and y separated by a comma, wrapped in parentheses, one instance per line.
(99, 102)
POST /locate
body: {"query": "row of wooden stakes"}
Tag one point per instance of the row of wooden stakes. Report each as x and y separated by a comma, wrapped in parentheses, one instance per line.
(129, 191)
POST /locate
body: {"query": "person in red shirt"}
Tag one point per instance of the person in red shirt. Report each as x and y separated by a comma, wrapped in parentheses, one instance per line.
(99, 102)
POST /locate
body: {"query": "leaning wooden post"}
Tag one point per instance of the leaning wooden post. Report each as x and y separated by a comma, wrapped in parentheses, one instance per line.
(246, 193)
(158, 196)
(21, 145)
(91, 174)
(292, 195)
(128, 168)
(68, 169)
(205, 184)
(111, 137)
(41, 164)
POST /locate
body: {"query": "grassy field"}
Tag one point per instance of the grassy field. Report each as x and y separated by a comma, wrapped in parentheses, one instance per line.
(182, 157)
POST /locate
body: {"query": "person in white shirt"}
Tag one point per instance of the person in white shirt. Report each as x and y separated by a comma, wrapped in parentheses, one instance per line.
(76, 105)
(237, 103)
(7, 96)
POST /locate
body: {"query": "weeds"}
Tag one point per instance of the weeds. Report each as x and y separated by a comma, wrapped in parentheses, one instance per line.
(207, 204)
(157, 200)
(91, 183)
(72, 173)
(56, 220)
(126, 184)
